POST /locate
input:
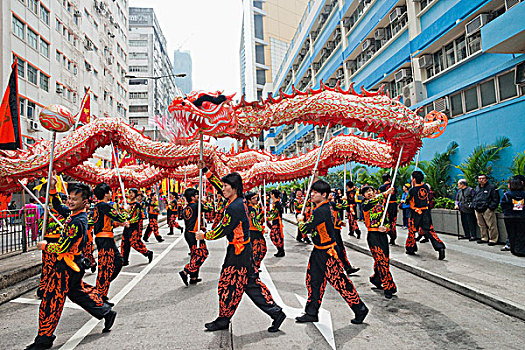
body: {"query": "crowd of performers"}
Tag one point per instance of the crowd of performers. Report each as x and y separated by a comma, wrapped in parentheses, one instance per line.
(244, 219)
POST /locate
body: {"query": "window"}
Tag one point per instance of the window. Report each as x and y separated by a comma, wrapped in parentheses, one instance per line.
(44, 82)
(138, 109)
(261, 77)
(31, 109)
(21, 65)
(450, 58)
(471, 99)
(58, 54)
(32, 74)
(44, 48)
(259, 54)
(258, 22)
(438, 62)
(138, 82)
(474, 43)
(32, 39)
(18, 28)
(507, 88)
(137, 43)
(461, 49)
(138, 69)
(138, 95)
(22, 106)
(258, 4)
(58, 25)
(44, 14)
(488, 93)
(33, 5)
(456, 104)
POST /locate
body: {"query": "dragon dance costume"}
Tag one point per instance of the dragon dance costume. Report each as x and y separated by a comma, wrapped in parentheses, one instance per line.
(391, 212)
(298, 205)
(351, 211)
(238, 274)
(378, 244)
(65, 279)
(420, 220)
(256, 217)
(339, 247)
(275, 219)
(172, 212)
(198, 250)
(109, 258)
(88, 249)
(131, 237)
(324, 265)
(153, 225)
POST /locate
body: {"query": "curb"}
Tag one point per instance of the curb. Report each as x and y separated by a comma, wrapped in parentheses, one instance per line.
(21, 281)
(505, 306)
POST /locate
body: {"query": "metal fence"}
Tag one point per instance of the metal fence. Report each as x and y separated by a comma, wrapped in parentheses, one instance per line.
(19, 230)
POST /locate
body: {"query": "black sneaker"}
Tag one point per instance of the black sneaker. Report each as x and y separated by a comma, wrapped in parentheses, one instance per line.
(358, 233)
(352, 270)
(378, 285)
(392, 241)
(170, 233)
(195, 280)
(149, 254)
(307, 318)
(277, 322)
(388, 294)
(441, 254)
(181, 229)
(360, 315)
(159, 239)
(93, 268)
(109, 319)
(42, 344)
(410, 252)
(279, 254)
(184, 277)
(217, 325)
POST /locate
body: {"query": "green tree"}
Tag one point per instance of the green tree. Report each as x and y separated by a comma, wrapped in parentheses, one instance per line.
(518, 164)
(437, 171)
(482, 159)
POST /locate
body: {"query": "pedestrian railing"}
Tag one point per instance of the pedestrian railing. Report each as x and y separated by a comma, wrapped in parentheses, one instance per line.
(19, 230)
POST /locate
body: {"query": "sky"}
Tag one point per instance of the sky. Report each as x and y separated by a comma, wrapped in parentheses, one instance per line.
(210, 30)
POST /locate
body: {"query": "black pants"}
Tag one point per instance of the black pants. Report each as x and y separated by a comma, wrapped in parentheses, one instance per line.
(341, 251)
(516, 232)
(131, 238)
(468, 221)
(109, 263)
(421, 223)
(323, 267)
(62, 282)
(391, 216)
(238, 276)
(378, 244)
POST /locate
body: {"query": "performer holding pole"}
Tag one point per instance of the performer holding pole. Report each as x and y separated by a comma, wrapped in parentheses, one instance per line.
(48, 185)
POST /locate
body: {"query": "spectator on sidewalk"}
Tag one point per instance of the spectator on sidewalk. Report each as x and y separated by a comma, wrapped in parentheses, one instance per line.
(512, 204)
(485, 202)
(32, 215)
(464, 198)
(403, 205)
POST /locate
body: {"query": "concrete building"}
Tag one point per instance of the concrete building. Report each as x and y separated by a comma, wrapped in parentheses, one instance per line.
(63, 48)
(463, 58)
(151, 83)
(182, 63)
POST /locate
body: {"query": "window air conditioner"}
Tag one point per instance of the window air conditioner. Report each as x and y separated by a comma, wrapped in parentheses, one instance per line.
(316, 66)
(520, 74)
(403, 74)
(380, 34)
(441, 105)
(59, 89)
(394, 15)
(339, 74)
(303, 51)
(412, 93)
(368, 44)
(34, 126)
(295, 67)
(351, 64)
(347, 22)
(330, 45)
(425, 61)
(475, 24)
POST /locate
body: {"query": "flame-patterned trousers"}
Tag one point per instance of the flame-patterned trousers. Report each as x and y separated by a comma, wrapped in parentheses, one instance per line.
(352, 219)
(421, 223)
(323, 267)
(341, 250)
(88, 248)
(259, 248)
(153, 226)
(48, 263)
(131, 239)
(277, 235)
(109, 263)
(239, 276)
(198, 254)
(391, 217)
(172, 220)
(62, 282)
(378, 244)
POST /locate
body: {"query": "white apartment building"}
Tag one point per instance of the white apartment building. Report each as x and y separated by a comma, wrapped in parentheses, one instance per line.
(65, 47)
(152, 81)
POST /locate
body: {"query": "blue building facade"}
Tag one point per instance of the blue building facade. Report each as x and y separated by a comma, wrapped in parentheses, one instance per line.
(463, 58)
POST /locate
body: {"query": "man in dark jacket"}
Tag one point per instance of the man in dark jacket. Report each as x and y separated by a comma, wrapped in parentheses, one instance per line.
(464, 205)
(485, 202)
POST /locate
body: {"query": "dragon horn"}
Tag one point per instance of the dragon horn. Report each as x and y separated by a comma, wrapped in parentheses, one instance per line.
(352, 90)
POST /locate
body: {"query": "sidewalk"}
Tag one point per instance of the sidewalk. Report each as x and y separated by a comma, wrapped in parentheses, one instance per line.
(477, 271)
(21, 272)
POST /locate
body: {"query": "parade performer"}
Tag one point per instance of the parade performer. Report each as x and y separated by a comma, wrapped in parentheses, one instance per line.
(324, 264)
(256, 217)
(52, 236)
(153, 215)
(109, 258)
(275, 219)
(391, 211)
(142, 204)
(340, 248)
(68, 270)
(132, 234)
(420, 218)
(298, 205)
(351, 210)
(377, 239)
(238, 274)
(88, 249)
(172, 214)
(198, 250)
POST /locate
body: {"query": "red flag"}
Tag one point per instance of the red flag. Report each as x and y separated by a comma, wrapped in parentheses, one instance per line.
(85, 110)
(10, 135)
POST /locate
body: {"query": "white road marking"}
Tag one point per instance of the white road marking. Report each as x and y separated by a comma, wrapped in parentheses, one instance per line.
(325, 320)
(128, 273)
(73, 342)
(30, 301)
